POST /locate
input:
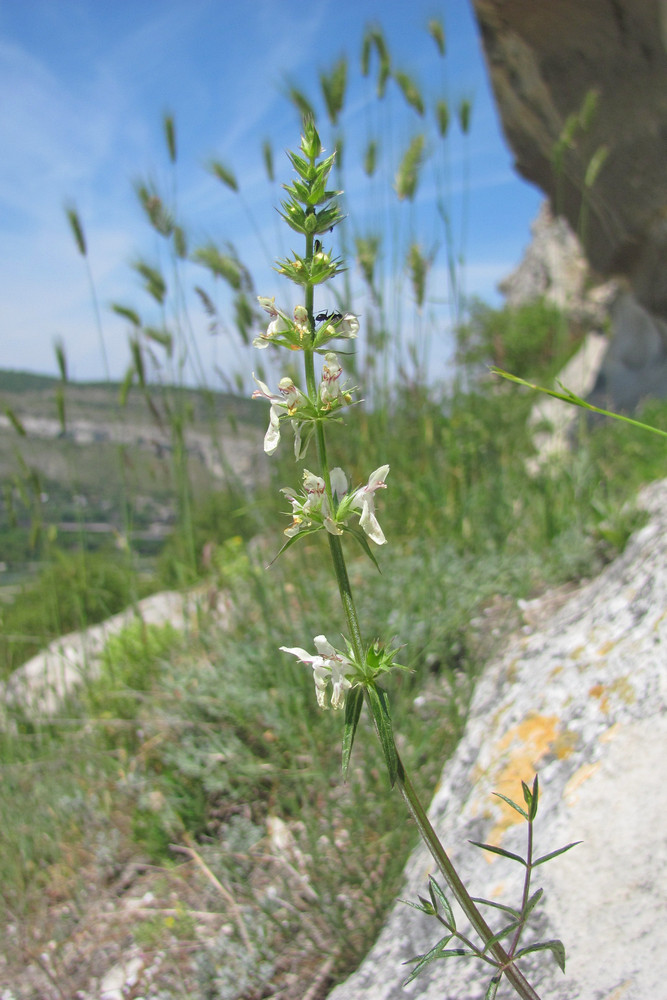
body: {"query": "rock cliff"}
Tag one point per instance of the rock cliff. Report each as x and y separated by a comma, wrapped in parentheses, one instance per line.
(590, 76)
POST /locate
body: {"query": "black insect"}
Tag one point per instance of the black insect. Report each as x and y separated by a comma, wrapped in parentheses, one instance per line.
(325, 317)
(318, 246)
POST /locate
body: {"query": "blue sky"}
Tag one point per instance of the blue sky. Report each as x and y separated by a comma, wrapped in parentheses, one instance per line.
(84, 87)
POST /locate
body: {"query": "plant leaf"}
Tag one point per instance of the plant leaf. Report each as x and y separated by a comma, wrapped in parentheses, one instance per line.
(569, 397)
(437, 951)
(293, 539)
(503, 933)
(379, 705)
(353, 705)
(555, 947)
(511, 803)
(554, 854)
(498, 906)
(532, 902)
(531, 797)
(363, 541)
(493, 988)
(499, 850)
(438, 896)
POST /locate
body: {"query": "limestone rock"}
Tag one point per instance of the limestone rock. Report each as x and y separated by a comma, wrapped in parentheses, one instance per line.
(553, 266)
(552, 420)
(581, 699)
(635, 365)
(544, 59)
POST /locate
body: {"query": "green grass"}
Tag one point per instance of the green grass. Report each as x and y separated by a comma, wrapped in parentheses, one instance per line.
(212, 737)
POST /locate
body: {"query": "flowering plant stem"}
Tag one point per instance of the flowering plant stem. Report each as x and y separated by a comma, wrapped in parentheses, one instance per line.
(405, 786)
(328, 505)
(407, 789)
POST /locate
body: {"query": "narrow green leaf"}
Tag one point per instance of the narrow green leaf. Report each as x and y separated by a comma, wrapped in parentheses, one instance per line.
(497, 906)
(353, 705)
(493, 988)
(556, 947)
(293, 540)
(569, 397)
(437, 951)
(503, 933)
(379, 705)
(554, 854)
(532, 902)
(363, 541)
(499, 850)
(428, 909)
(536, 796)
(437, 893)
(511, 803)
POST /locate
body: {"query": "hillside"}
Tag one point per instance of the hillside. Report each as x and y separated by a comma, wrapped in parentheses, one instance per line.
(92, 464)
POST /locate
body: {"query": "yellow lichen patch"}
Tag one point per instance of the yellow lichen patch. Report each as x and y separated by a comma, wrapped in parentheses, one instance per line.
(606, 648)
(519, 752)
(623, 690)
(565, 744)
(581, 775)
(598, 691)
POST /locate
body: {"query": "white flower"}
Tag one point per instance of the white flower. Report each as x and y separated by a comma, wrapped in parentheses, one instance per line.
(348, 327)
(330, 389)
(364, 500)
(311, 507)
(329, 666)
(279, 322)
(286, 401)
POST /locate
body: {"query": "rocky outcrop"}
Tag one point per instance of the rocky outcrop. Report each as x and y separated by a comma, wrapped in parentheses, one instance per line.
(581, 698)
(591, 76)
(554, 268)
(582, 93)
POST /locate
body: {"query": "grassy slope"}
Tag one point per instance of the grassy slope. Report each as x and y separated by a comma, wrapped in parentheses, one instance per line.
(215, 745)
